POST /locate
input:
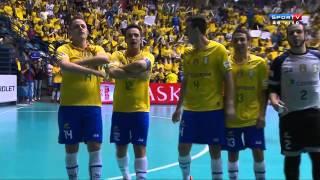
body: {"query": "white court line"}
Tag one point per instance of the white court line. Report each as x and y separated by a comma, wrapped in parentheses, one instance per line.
(201, 153)
(160, 117)
(150, 116)
(11, 110)
(39, 111)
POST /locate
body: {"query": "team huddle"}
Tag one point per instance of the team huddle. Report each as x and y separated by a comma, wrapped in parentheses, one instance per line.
(222, 101)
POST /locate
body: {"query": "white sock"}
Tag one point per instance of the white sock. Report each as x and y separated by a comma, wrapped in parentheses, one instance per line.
(233, 170)
(123, 164)
(53, 95)
(72, 165)
(216, 168)
(95, 165)
(184, 163)
(260, 170)
(58, 95)
(141, 165)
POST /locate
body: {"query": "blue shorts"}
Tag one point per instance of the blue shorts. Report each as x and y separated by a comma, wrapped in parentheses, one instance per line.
(56, 85)
(129, 127)
(79, 124)
(246, 137)
(206, 127)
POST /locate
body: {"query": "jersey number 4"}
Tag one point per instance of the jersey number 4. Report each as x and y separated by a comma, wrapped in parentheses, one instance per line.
(196, 84)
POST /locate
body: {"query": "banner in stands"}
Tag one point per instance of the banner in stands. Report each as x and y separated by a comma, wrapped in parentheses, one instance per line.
(160, 93)
(8, 88)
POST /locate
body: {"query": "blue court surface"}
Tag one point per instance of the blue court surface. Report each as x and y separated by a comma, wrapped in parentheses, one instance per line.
(29, 148)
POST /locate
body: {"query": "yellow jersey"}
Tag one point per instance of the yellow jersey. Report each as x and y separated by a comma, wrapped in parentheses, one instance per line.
(57, 76)
(250, 79)
(205, 71)
(131, 95)
(80, 89)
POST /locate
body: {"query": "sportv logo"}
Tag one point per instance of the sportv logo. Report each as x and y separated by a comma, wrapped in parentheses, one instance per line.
(286, 18)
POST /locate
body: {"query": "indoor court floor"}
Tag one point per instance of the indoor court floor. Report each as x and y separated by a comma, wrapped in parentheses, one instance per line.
(29, 148)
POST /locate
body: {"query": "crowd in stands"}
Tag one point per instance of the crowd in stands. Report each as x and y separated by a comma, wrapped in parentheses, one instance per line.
(163, 24)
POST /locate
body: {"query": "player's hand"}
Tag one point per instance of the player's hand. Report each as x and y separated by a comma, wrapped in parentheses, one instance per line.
(261, 123)
(176, 116)
(278, 105)
(100, 74)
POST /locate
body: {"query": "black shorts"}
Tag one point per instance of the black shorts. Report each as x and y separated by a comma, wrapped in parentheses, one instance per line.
(300, 132)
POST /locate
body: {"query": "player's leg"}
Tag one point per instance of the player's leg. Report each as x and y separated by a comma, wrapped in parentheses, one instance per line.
(290, 147)
(254, 139)
(187, 132)
(291, 167)
(120, 135)
(213, 130)
(315, 160)
(140, 162)
(69, 134)
(185, 159)
(139, 131)
(71, 160)
(123, 160)
(92, 134)
(216, 162)
(233, 165)
(233, 145)
(310, 138)
(259, 165)
(95, 160)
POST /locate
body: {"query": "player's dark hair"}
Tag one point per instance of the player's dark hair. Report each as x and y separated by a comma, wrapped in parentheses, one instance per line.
(242, 30)
(131, 26)
(303, 27)
(198, 22)
(76, 17)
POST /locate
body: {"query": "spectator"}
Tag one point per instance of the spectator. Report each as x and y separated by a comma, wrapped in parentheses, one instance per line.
(40, 74)
(29, 75)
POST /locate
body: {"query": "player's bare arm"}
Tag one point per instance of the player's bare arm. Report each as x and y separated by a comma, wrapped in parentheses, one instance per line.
(98, 60)
(229, 96)
(138, 66)
(120, 73)
(75, 68)
(261, 119)
(176, 116)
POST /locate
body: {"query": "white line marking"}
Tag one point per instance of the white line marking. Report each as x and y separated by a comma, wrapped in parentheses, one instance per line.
(150, 116)
(10, 110)
(201, 153)
(39, 111)
(160, 117)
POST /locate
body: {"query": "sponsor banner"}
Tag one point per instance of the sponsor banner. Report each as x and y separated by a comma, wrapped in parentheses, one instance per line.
(160, 93)
(8, 88)
(164, 93)
(106, 92)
